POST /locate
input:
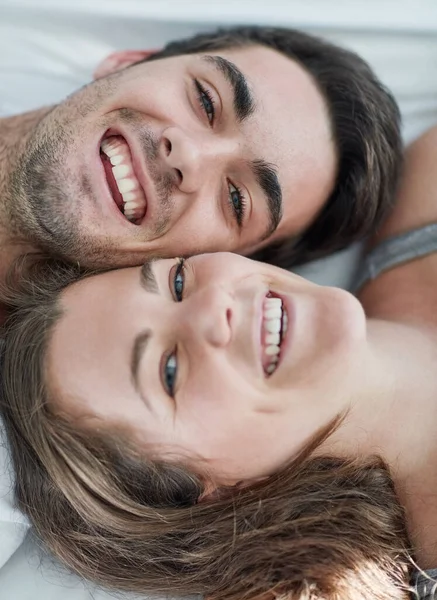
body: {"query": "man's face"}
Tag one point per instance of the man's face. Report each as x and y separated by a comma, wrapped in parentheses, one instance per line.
(177, 156)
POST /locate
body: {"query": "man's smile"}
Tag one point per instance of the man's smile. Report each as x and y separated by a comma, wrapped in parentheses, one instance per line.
(196, 152)
(122, 180)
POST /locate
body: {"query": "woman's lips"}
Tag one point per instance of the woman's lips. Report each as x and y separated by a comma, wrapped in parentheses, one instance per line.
(274, 324)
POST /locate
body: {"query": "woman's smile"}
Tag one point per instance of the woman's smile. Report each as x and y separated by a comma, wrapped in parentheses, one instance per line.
(273, 328)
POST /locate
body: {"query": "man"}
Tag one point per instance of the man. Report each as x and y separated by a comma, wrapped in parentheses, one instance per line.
(250, 139)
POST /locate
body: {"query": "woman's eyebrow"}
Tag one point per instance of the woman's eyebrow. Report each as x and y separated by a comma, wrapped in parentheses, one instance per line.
(149, 283)
(148, 279)
(138, 349)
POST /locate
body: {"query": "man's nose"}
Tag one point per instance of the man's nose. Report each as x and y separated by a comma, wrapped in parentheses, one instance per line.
(195, 157)
(208, 318)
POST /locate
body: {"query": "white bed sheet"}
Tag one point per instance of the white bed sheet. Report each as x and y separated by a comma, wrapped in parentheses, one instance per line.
(48, 48)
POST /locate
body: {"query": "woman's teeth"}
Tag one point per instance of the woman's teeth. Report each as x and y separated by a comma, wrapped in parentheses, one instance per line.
(274, 326)
(134, 201)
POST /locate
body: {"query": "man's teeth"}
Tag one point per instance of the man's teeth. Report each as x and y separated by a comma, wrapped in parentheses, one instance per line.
(134, 200)
(275, 324)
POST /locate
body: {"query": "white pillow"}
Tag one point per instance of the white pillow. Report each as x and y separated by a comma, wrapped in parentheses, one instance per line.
(13, 524)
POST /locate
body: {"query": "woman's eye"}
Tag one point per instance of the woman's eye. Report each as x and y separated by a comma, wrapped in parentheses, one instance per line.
(206, 101)
(179, 281)
(170, 374)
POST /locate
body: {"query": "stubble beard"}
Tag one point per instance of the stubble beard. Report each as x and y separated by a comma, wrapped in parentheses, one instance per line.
(45, 199)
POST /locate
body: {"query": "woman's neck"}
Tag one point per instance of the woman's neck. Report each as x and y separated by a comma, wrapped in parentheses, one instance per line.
(394, 415)
(394, 403)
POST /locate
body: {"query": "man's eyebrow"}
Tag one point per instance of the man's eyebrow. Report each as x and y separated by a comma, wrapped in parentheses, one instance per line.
(244, 106)
(148, 279)
(244, 103)
(138, 348)
(268, 181)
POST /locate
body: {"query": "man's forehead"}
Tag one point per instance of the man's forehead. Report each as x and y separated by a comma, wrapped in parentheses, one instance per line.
(291, 129)
(291, 121)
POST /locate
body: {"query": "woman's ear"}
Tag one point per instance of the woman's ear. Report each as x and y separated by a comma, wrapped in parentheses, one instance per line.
(220, 492)
(213, 492)
(120, 60)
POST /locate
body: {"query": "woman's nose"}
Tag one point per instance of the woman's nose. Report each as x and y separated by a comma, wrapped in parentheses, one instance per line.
(208, 316)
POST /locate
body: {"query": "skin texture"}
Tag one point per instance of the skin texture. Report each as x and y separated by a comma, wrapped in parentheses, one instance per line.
(189, 163)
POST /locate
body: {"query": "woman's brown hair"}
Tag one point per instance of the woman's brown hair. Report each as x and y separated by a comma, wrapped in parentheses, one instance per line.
(320, 528)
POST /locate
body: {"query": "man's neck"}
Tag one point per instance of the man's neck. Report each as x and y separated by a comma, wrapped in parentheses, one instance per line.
(14, 134)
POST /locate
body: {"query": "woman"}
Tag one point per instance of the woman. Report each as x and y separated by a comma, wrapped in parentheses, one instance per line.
(214, 425)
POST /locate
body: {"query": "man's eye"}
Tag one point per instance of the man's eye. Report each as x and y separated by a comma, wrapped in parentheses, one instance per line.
(237, 202)
(179, 281)
(206, 101)
(170, 374)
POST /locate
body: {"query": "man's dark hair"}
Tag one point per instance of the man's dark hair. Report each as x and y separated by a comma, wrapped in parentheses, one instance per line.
(366, 128)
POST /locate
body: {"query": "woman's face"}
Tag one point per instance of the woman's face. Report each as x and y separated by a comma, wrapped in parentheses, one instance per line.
(221, 358)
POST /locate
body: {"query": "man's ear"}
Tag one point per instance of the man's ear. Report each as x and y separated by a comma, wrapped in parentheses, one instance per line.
(120, 60)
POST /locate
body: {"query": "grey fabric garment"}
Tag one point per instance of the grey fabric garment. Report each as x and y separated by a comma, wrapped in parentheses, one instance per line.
(395, 251)
(425, 585)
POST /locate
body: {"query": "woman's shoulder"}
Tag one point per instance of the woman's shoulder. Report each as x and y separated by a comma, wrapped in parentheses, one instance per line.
(404, 255)
(416, 201)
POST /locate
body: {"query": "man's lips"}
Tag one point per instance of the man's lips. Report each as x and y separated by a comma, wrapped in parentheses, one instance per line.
(121, 178)
(113, 187)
